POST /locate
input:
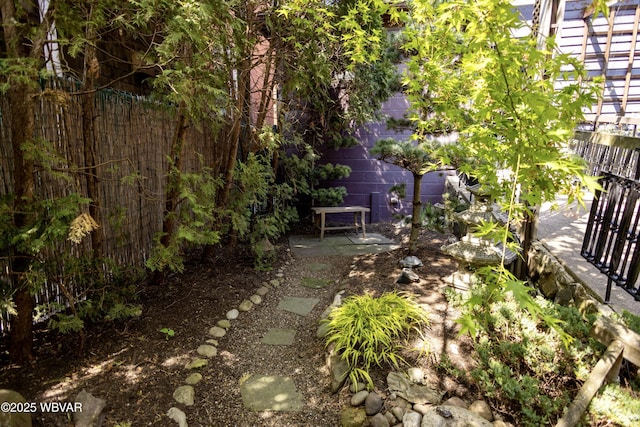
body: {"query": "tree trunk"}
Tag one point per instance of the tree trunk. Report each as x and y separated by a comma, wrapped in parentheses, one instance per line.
(416, 211)
(169, 223)
(22, 128)
(91, 73)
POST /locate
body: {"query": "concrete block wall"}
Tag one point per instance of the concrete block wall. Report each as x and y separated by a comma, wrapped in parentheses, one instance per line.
(371, 179)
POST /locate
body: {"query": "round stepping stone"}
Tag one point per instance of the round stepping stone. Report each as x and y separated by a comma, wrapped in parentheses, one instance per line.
(184, 394)
(245, 305)
(233, 314)
(213, 342)
(274, 282)
(194, 378)
(256, 299)
(207, 350)
(280, 275)
(262, 291)
(224, 323)
(197, 363)
(217, 332)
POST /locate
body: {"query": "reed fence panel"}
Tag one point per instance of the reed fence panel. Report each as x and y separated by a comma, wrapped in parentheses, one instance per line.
(131, 141)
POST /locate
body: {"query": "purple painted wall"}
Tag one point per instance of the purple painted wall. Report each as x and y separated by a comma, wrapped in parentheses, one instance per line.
(370, 179)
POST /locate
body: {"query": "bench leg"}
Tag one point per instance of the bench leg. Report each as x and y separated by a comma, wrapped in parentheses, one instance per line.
(322, 220)
(363, 218)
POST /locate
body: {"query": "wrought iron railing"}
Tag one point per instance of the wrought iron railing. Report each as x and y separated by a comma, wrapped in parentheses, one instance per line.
(613, 230)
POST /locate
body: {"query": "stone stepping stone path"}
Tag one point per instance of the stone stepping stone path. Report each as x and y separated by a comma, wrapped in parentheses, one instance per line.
(270, 393)
(261, 390)
(277, 336)
(300, 306)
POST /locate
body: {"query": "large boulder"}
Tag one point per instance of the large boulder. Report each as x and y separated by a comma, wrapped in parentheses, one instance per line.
(452, 416)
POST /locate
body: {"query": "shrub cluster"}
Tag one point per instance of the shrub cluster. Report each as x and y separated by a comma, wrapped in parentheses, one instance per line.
(369, 331)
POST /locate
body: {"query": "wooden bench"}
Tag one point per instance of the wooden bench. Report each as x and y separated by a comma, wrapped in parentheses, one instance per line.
(359, 218)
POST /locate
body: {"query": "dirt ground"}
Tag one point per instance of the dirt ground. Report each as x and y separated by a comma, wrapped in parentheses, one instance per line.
(136, 368)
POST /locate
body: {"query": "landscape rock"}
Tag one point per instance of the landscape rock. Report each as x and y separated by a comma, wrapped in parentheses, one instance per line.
(256, 299)
(398, 412)
(212, 342)
(416, 375)
(233, 314)
(391, 418)
(197, 363)
(217, 332)
(452, 416)
(339, 369)
(207, 350)
(411, 419)
(456, 401)
(500, 423)
(245, 305)
(178, 416)
(262, 291)
(422, 409)
(548, 285)
(564, 297)
(91, 414)
(352, 417)
(354, 388)
(481, 408)
(13, 419)
(322, 330)
(274, 282)
(194, 378)
(414, 393)
(373, 403)
(224, 324)
(359, 398)
(379, 420)
(184, 394)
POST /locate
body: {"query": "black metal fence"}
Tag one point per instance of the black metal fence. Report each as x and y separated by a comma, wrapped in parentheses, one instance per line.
(613, 231)
(616, 154)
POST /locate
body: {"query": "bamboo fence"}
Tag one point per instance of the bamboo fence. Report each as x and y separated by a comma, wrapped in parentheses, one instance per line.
(132, 139)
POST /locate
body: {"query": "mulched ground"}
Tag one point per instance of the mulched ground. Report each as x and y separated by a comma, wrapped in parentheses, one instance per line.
(135, 368)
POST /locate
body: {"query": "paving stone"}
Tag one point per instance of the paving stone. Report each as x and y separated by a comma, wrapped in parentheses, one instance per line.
(270, 393)
(233, 314)
(256, 299)
(314, 283)
(277, 336)
(262, 291)
(300, 306)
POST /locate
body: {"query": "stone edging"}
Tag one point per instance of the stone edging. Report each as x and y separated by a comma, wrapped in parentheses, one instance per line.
(185, 394)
